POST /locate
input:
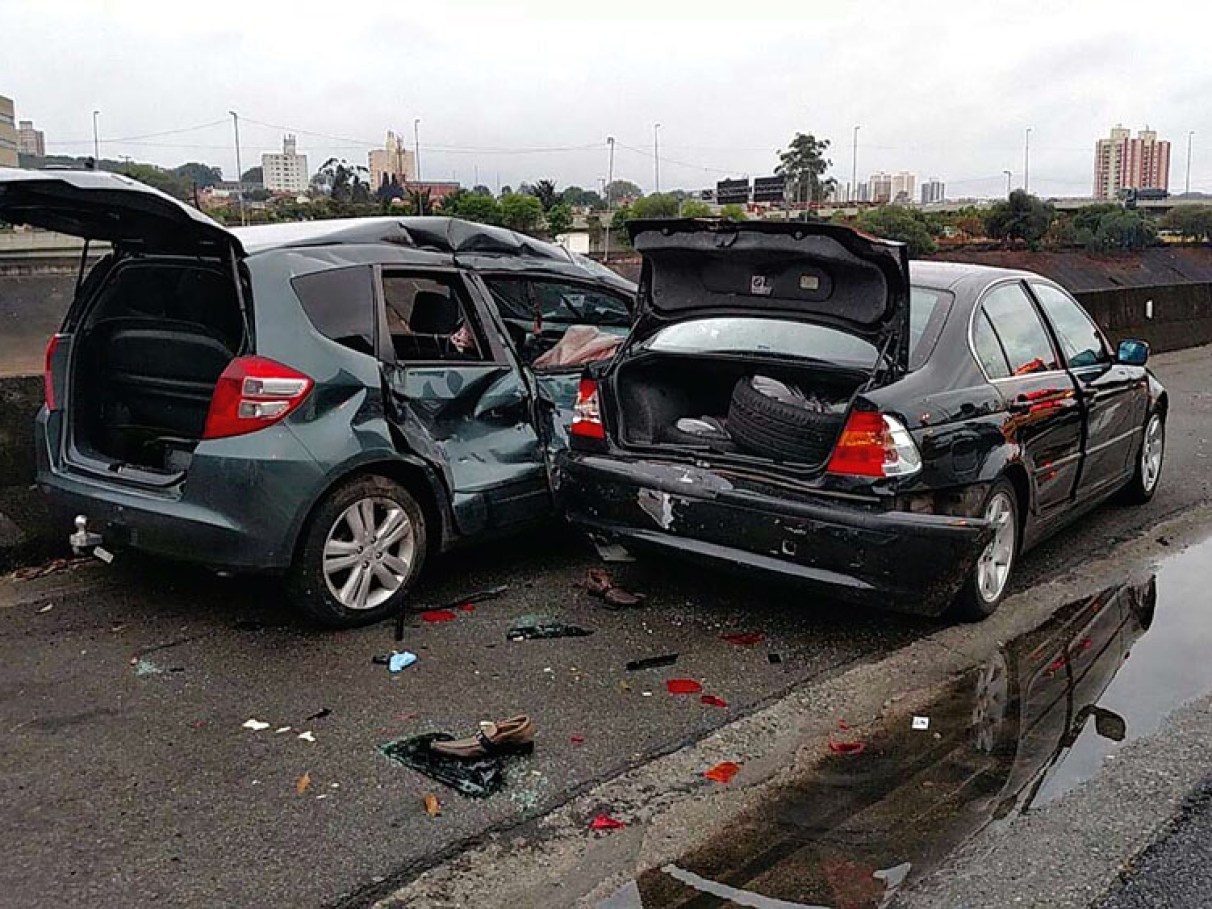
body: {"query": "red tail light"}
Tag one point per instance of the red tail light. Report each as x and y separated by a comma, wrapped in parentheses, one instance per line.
(587, 414)
(48, 378)
(252, 393)
(876, 445)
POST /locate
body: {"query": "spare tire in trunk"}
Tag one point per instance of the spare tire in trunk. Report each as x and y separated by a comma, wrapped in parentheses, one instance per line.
(770, 418)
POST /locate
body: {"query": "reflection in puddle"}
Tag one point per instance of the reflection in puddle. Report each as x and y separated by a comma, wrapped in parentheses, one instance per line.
(1006, 736)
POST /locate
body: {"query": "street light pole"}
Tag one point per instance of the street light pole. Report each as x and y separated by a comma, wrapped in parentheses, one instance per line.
(1027, 161)
(1007, 173)
(235, 119)
(1187, 188)
(854, 168)
(656, 154)
(609, 206)
(97, 140)
(416, 153)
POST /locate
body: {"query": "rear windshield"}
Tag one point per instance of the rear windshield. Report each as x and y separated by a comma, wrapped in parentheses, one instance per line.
(782, 338)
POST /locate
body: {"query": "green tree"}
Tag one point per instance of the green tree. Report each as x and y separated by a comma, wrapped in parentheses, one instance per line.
(582, 198)
(159, 178)
(1191, 222)
(260, 194)
(897, 222)
(618, 227)
(481, 190)
(1122, 230)
(389, 189)
(420, 201)
(545, 192)
(559, 219)
(521, 212)
(200, 174)
(695, 208)
(480, 208)
(451, 201)
(252, 175)
(658, 205)
(734, 212)
(1021, 217)
(620, 192)
(803, 164)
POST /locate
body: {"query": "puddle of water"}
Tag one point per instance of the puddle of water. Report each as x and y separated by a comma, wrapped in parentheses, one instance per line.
(1008, 735)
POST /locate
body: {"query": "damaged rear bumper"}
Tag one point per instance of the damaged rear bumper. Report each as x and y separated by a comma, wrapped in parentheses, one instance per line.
(893, 559)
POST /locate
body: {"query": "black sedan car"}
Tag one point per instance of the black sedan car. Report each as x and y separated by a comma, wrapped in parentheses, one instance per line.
(794, 399)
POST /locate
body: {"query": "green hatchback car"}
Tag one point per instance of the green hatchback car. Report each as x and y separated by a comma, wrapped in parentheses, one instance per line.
(329, 400)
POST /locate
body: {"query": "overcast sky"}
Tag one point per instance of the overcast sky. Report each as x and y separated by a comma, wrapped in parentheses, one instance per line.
(528, 89)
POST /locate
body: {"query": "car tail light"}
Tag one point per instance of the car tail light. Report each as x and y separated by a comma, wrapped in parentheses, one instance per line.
(252, 393)
(48, 376)
(587, 414)
(874, 445)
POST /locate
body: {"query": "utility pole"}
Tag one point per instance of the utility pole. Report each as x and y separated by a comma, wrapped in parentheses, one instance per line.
(609, 206)
(854, 168)
(1187, 188)
(1027, 160)
(416, 153)
(235, 119)
(656, 154)
(1007, 173)
(97, 140)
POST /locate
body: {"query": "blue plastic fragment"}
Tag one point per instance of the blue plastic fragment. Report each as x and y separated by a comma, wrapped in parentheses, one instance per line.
(400, 661)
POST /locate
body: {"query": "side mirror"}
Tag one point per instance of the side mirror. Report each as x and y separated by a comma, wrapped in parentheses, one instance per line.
(1132, 353)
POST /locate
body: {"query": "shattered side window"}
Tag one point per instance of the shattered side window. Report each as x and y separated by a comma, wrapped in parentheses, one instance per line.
(427, 318)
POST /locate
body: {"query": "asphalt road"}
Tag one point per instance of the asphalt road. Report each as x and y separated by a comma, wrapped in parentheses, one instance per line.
(130, 779)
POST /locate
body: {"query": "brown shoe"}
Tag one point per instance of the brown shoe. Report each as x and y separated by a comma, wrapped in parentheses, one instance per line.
(512, 736)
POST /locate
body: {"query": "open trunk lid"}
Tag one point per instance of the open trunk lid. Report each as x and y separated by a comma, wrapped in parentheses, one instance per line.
(822, 274)
(98, 205)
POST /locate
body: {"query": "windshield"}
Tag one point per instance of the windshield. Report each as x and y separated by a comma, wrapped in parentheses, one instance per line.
(785, 338)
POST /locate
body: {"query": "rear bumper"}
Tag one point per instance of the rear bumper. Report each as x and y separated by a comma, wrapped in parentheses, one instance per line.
(239, 506)
(893, 559)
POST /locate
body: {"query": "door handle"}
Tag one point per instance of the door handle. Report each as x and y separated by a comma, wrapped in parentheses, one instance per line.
(1019, 405)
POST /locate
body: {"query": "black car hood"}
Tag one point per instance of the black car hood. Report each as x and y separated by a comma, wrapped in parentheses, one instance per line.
(809, 272)
(98, 205)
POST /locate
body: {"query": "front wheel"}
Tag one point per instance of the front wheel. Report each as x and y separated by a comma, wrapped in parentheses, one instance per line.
(1143, 485)
(985, 587)
(362, 551)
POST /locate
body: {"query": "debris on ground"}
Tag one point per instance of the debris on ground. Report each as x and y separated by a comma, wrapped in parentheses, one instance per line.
(611, 552)
(54, 566)
(599, 584)
(743, 638)
(656, 662)
(542, 627)
(847, 747)
(478, 778)
(319, 714)
(303, 783)
(512, 736)
(723, 772)
(399, 660)
(577, 739)
(432, 806)
(683, 686)
(146, 667)
(255, 725)
(774, 658)
(921, 722)
(434, 616)
(307, 736)
(464, 603)
(466, 607)
(281, 729)
(45, 609)
(712, 701)
(605, 822)
(478, 596)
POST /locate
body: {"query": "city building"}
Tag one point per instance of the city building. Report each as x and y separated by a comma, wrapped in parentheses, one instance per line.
(879, 188)
(30, 141)
(904, 187)
(1122, 162)
(8, 133)
(933, 190)
(392, 160)
(438, 190)
(286, 172)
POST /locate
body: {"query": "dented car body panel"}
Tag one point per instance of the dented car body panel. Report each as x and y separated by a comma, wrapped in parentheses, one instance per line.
(904, 542)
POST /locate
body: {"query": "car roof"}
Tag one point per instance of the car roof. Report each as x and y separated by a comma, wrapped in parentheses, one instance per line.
(948, 275)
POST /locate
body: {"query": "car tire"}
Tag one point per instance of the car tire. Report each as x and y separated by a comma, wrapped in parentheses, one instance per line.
(764, 421)
(362, 549)
(1149, 460)
(986, 584)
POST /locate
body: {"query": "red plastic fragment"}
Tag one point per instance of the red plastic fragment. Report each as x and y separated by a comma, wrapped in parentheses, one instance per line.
(712, 701)
(467, 607)
(438, 615)
(744, 638)
(605, 822)
(683, 686)
(578, 740)
(842, 724)
(723, 772)
(847, 747)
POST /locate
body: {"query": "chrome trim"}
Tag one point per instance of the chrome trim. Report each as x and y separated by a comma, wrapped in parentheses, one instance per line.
(980, 301)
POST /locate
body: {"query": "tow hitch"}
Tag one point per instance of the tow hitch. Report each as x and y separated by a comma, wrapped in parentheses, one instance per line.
(84, 541)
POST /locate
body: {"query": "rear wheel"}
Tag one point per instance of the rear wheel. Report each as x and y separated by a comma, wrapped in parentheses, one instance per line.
(1143, 484)
(362, 551)
(985, 587)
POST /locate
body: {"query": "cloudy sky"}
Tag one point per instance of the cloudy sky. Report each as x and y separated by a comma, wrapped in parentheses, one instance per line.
(528, 89)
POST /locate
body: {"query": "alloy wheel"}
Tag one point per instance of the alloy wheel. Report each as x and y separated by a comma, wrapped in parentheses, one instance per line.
(993, 569)
(368, 553)
(1151, 452)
